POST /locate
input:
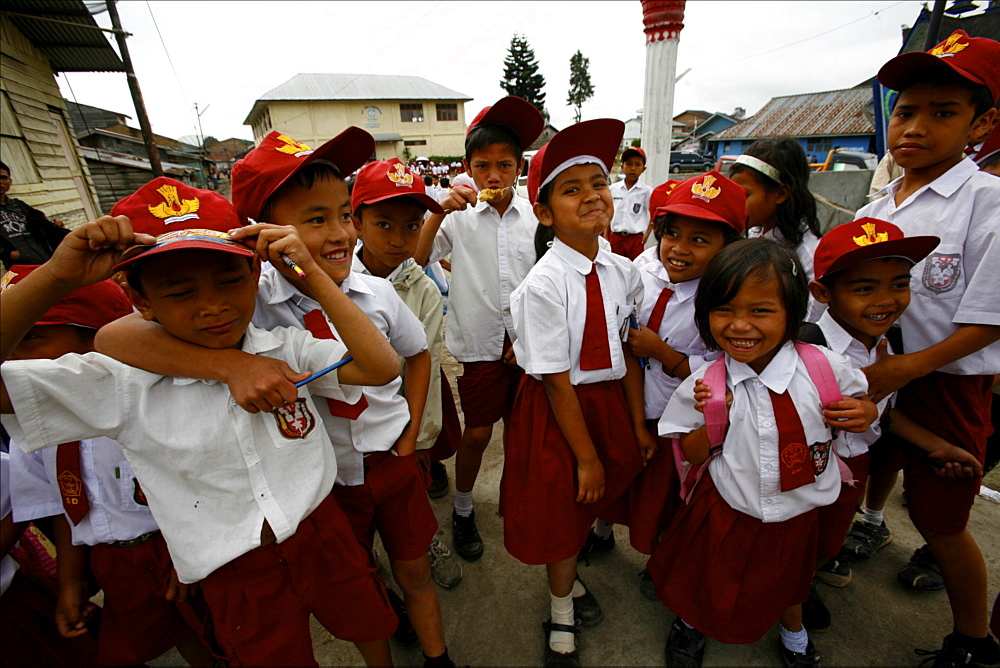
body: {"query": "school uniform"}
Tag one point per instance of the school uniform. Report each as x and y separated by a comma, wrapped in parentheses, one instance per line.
(212, 474)
(956, 284)
(741, 551)
(805, 252)
(542, 522)
(374, 487)
(490, 256)
(631, 219)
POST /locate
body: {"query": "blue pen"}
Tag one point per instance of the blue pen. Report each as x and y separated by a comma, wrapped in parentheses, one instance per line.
(325, 371)
(634, 324)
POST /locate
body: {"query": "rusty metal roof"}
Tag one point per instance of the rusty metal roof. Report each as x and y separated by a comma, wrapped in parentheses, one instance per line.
(75, 45)
(829, 113)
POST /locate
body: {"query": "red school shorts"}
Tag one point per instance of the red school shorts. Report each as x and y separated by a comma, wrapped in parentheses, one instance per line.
(487, 389)
(628, 245)
(835, 519)
(261, 601)
(393, 501)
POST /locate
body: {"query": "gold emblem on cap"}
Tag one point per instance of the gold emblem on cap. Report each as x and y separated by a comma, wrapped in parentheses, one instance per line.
(292, 147)
(949, 47)
(173, 209)
(401, 176)
(6, 279)
(871, 236)
(705, 190)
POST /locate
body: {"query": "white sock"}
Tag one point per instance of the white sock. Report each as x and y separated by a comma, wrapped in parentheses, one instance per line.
(794, 641)
(463, 503)
(578, 588)
(603, 529)
(873, 517)
(562, 613)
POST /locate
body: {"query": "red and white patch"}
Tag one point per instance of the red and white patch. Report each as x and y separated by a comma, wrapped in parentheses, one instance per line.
(820, 456)
(295, 420)
(942, 271)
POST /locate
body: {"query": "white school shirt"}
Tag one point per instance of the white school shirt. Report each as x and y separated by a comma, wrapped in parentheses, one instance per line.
(490, 256)
(746, 472)
(805, 251)
(280, 304)
(959, 282)
(7, 564)
(108, 480)
(677, 328)
(550, 309)
(849, 444)
(211, 471)
(631, 208)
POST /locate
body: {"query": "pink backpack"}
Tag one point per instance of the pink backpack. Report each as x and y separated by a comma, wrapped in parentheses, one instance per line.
(717, 415)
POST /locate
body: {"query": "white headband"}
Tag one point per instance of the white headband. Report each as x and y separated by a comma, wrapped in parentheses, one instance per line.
(573, 162)
(760, 166)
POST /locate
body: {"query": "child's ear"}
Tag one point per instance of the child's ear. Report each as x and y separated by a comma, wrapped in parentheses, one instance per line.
(543, 213)
(357, 223)
(820, 292)
(982, 126)
(140, 303)
(782, 194)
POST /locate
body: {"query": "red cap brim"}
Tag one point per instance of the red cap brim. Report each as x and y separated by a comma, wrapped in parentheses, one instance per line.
(913, 249)
(426, 200)
(131, 255)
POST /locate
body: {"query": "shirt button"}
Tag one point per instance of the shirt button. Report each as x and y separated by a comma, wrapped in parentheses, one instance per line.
(503, 252)
(758, 383)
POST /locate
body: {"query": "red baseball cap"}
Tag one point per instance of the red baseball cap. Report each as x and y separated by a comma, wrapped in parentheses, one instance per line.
(179, 216)
(386, 179)
(634, 150)
(867, 239)
(91, 306)
(710, 196)
(260, 173)
(600, 138)
(976, 59)
(515, 113)
(658, 198)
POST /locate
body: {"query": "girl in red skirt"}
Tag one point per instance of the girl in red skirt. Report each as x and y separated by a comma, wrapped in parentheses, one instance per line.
(740, 554)
(578, 415)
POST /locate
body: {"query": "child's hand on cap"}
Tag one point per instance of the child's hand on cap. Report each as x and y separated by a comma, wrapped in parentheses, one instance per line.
(89, 253)
(459, 198)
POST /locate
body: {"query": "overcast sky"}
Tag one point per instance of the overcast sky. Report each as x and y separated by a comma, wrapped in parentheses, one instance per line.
(224, 55)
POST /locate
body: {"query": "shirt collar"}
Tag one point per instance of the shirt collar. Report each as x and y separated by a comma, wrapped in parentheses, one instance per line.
(682, 291)
(837, 338)
(358, 265)
(945, 185)
(777, 375)
(577, 260)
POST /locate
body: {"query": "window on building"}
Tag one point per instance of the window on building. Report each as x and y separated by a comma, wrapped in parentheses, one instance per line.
(819, 146)
(14, 147)
(447, 112)
(263, 125)
(414, 142)
(411, 113)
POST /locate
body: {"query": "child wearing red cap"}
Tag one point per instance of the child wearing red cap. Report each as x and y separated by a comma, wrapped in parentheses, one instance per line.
(102, 524)
(243, 500)
(951, 328)
(632, 222)
(577, 419)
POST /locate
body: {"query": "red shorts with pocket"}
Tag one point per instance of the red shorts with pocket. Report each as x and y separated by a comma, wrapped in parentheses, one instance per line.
(627, 245)
(835, 519)
(487, 389)
(956, 408)
(261, 601)
(392, 500)
(138, 623)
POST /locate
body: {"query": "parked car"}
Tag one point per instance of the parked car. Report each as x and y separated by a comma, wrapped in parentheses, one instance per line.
(683, 161)
(522, 180)
(842, 160)
(725, 163)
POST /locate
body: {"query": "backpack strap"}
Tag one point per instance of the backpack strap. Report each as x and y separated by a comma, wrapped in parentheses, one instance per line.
(810, 332)
(716, 422)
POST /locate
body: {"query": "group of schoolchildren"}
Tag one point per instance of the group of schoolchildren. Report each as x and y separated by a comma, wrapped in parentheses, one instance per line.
(267, 393)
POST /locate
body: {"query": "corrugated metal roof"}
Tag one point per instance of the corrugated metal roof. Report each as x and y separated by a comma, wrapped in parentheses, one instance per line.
(356, 87)
(826, 114)
(68, 48)
(124, 160)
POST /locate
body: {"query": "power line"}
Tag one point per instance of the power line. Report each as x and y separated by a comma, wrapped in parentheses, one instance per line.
(167, 53)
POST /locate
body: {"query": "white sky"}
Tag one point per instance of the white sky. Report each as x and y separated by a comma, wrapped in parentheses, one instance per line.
(227, 54)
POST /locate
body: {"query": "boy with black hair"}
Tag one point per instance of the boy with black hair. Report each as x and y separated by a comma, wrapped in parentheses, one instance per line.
(951, 328)
(631, 221)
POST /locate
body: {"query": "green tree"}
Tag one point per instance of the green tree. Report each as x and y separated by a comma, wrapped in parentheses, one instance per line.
(520, 74)
(580, 88)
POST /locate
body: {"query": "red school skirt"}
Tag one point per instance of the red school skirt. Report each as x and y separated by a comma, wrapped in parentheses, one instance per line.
(728, 574)
(543, 523)
(654, 496)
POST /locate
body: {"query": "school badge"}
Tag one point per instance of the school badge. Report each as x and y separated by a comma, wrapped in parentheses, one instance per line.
(401, 176)
(173, 209)
(292, 147)
(705, 190)
(793, 456)
(949, 47)
(870, 236)
(942, 271)
(70, 486)
(294, 419)
(820, 456)
(636, 207)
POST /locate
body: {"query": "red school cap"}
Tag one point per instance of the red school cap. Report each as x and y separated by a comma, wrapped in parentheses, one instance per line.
(180, 217)
(711, 196)
(385, 179)
(263, 170)
(658, 198)
(91, 306)
(515, 113)
(634, 150)
(600, 138)
(867, 239)
(976, 59)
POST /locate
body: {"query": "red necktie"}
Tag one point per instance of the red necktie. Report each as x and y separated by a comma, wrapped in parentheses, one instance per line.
(74, 496)
(794, 460)
(656, 316)
(317, 325)
(595, 352)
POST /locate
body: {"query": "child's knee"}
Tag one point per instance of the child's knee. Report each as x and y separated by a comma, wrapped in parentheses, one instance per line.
(412, 576)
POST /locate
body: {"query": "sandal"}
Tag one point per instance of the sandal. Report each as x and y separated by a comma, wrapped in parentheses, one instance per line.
(554, 659)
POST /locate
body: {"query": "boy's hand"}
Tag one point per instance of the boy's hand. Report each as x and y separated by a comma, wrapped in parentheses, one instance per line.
(702, 393)
(590, 481)
(459, 198)
(888, 373)
(850, 414)
(262, 384)
(951, 461)
(73, 610)
(509, 358)
(87, 254)
(406, 444)
(644, 342)
(274, 241)
(179, 592)
(646, 442)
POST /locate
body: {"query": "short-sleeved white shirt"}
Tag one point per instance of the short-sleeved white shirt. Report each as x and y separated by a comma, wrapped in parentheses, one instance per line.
(211, 472)
(677, 328)
(805, 251)
(631, 208)
(747, 472)
(550, 309)
(959, 282)
(490, 256)
(280, 304)
(109, 483)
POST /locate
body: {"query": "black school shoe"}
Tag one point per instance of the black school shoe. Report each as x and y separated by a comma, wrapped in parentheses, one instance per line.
(465, 536)
(792, 659)
(554, 659)
(815, 614)
(586, 610)
(595, 545)
(922, 572)
(405, 633)
(953, 654)
(685, 647)
(439, 481)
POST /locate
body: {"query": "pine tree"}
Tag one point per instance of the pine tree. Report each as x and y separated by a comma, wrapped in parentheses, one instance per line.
(520, 74)
(580, 88)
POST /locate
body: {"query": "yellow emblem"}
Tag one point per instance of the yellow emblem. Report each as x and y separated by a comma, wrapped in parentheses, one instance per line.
(6, 279)
(292, 147)
(173, 209)
(705, 190)
(401, 176)
(949, 47)
(871, 236)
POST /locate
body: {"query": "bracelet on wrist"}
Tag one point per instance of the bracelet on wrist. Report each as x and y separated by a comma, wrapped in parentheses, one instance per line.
(679, 362)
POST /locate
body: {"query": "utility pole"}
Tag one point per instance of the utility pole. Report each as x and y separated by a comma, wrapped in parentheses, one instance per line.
(133, 86)
(934, 27)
